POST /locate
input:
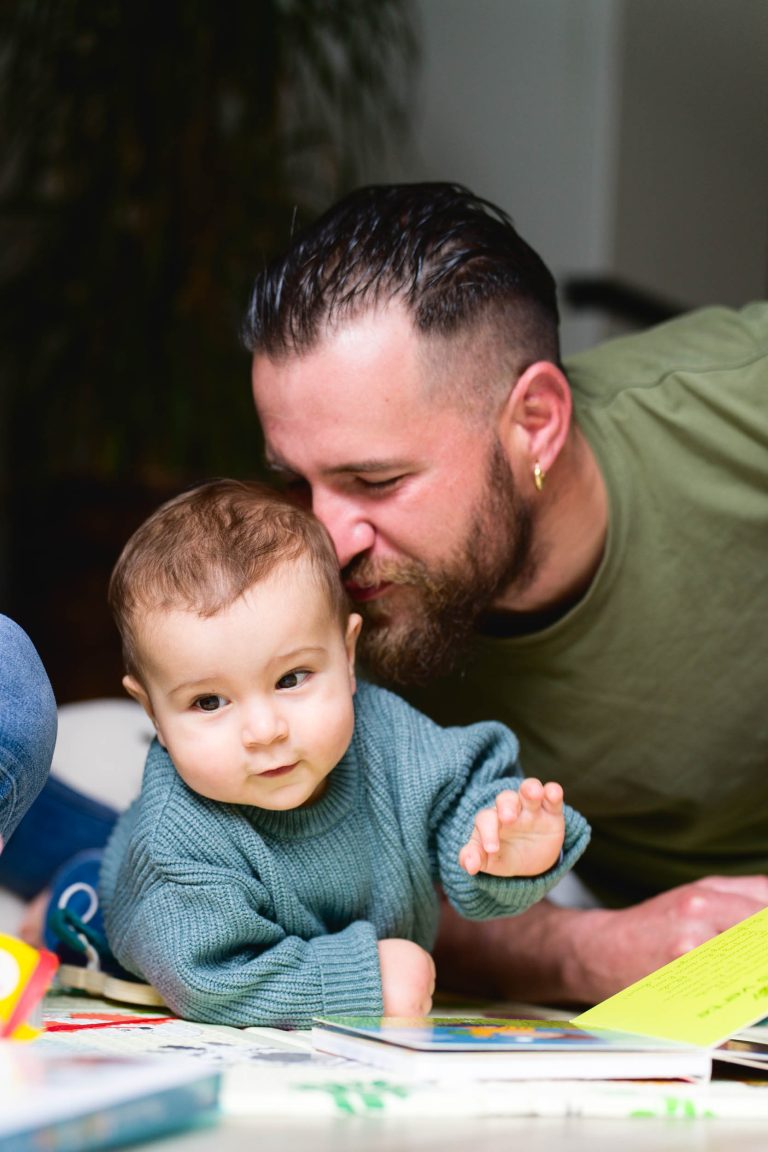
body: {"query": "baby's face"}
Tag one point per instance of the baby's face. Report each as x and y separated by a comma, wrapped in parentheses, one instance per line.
(253, 704)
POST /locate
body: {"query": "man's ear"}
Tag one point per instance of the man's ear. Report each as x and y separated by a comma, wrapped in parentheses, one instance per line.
(136, 689)
(534, 422)
(354, 624)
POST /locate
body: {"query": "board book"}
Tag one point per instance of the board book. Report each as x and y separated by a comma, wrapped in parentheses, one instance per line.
(504, 1049)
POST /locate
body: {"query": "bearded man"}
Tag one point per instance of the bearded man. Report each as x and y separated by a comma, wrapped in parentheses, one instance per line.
(576, 550)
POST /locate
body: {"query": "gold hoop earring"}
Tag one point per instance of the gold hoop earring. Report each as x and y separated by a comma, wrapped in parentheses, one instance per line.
(539, 476)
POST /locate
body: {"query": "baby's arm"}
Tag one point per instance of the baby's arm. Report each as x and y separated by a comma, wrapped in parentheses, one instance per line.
(521, 836)
(215, 953)
(407, 978)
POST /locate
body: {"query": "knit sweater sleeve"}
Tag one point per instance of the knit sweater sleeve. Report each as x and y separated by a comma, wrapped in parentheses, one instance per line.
(215, 956)
(484, 758)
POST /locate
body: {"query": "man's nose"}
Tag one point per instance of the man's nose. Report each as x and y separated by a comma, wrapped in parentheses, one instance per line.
(263, 723)
(350, 529)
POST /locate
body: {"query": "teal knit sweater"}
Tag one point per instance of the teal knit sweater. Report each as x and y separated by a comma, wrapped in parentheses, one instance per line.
(243, 916)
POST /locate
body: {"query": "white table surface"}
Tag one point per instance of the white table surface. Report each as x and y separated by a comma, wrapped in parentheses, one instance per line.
(365, 1134)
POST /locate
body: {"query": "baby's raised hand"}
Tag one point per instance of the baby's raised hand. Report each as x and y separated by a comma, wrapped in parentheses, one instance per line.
(521, 836)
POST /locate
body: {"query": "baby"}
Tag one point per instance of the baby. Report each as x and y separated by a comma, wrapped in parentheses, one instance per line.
(281, 859)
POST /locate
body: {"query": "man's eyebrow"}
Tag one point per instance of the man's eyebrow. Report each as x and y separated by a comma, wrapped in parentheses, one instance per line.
(275, 464)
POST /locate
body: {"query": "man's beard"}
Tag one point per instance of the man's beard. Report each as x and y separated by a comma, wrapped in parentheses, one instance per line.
(429, 636)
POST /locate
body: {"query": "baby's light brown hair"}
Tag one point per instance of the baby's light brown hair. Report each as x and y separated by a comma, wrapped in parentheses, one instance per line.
(203, 549)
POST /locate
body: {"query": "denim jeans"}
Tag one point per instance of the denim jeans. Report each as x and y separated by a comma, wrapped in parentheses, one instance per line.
(27, 725)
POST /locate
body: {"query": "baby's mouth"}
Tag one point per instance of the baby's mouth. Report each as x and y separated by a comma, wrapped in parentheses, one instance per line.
(281, 770)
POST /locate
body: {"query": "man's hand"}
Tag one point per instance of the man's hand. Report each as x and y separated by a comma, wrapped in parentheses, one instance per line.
(407, 978)
(521, 836)
(573, 956)
(616, 948)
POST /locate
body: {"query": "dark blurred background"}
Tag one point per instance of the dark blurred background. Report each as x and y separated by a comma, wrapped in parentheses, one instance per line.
(154, 155)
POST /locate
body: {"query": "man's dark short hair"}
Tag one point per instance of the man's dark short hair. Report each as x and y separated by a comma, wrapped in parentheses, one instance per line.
(453, 259)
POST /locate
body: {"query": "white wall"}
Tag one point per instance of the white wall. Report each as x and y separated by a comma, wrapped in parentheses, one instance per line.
(517, 100)
(628, 137)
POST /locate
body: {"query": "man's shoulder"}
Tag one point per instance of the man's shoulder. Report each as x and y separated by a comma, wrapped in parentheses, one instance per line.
(697, 342)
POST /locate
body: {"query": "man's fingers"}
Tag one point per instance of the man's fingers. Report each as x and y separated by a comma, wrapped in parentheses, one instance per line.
(750, 887)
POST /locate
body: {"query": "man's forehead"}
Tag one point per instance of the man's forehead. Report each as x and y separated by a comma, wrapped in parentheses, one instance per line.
(362, 373)
(367, 399)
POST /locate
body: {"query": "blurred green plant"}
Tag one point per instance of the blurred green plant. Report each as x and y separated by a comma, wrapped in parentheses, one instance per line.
(154, 155)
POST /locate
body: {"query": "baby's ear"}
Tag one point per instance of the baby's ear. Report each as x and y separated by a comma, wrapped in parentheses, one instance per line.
(354, 624)
(136, 689)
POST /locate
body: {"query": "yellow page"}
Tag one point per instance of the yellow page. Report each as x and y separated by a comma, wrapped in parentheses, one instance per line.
(702, 997)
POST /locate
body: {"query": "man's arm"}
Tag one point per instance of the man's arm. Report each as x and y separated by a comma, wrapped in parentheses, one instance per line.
(558, 955)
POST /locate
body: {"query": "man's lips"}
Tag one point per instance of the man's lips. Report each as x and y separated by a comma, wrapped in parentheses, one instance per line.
(363, 592)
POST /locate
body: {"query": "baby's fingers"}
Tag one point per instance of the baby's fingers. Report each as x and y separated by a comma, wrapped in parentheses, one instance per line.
(484, 841)
(472, 858)
(553, 797)
(508, 806)
(531, 792)
(487, 826)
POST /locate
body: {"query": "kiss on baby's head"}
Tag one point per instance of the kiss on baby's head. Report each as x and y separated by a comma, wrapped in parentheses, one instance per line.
(281, 859)
(204, 549)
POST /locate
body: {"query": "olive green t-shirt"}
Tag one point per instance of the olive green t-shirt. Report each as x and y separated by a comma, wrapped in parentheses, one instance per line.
(648, 701)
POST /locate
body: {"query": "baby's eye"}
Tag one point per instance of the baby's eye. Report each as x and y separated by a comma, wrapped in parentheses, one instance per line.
(209, 703)
(293, 679)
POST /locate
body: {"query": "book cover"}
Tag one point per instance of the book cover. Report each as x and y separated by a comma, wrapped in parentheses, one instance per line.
(504, 1049)
(76, 1101)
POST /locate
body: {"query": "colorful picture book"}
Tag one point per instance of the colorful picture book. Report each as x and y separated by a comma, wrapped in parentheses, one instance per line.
(503, 1049)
